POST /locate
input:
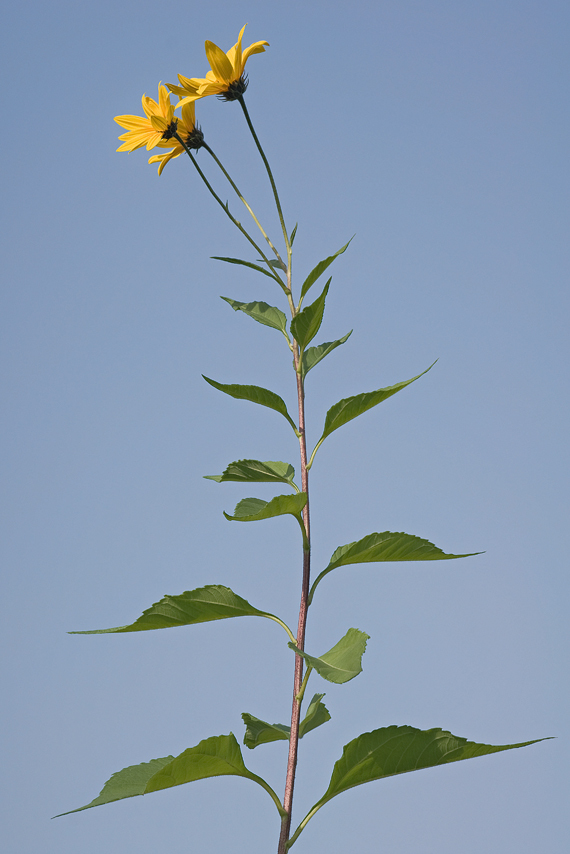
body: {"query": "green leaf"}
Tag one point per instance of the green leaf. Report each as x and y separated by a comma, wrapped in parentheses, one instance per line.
(351, 407)
(317, 271)
(260, 732)
(341, 663)
(307, 323)
(395, 750)
(387, 546)
(293, 233)
(316, 715)
(244, 264)
(254, 471)
(313, 355)
(257, 395)
(214, 757)
(127, 783)
(202, 605)
(255, 509)
(266, 314)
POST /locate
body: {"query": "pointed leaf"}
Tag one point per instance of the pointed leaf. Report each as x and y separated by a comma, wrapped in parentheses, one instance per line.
(351, 407)
(307, 323)
(214, 757)
(202, 605)
(257, 395)
(395, 750)
(260, 732)
(341, 663)
(255, 509)
(387, 546)
(254, 471)
(316, 715)
(243, 263)
(128, 783)
(317, 271)
(293, 233)
(266, 314)
(313, 355)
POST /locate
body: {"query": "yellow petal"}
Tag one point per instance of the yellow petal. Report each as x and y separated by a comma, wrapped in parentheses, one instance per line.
(159, 123)
(189, 115)
(189, 83)
(234, 55)
(256, 47)
(131, 122)
(220, 64)
(188, 100)
(153, 141)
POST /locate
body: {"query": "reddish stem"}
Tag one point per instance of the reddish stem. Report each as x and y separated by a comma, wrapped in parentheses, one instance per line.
(303, 607)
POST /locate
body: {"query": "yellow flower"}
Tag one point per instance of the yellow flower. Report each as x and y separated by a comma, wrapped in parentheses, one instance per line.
(187, 131)
(226, 79)
(152, 130)
(158, 128)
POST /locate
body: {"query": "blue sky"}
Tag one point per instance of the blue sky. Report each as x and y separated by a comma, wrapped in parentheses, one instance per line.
(437, 133)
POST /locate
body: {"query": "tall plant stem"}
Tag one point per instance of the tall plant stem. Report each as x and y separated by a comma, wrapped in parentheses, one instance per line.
(271, 179)
(224, 207)
(303, 608)
(241, 197)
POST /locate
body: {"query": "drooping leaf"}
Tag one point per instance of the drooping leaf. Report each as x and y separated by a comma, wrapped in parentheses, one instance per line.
(395, 750)
(316, 715)
(351, 407)
(255, 509)
(255, 394)
(341, 663)
(260, 732)
(313, 355)
(128, 783)
(307, 323)
(317, 271)
(244, 264)
(202, 605)
(293, 233)
(266, 314)
(251, 471)
(386, 546)
(214, 757)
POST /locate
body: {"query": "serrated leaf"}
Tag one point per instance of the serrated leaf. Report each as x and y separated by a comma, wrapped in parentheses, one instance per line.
(214, 757)
(244, 264)
(317, 271)
(317, 714)
(266, 314)
(260, 732)
(341, 663)
(307, 323)
(386, 546)
(255, 509)
(396, 750)
(202, 605)
(255, 394)
(255, 471)
(128, 783)
(313, 355)
(351, 407)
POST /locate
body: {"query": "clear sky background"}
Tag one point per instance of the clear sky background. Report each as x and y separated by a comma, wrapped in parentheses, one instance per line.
(438, 133)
